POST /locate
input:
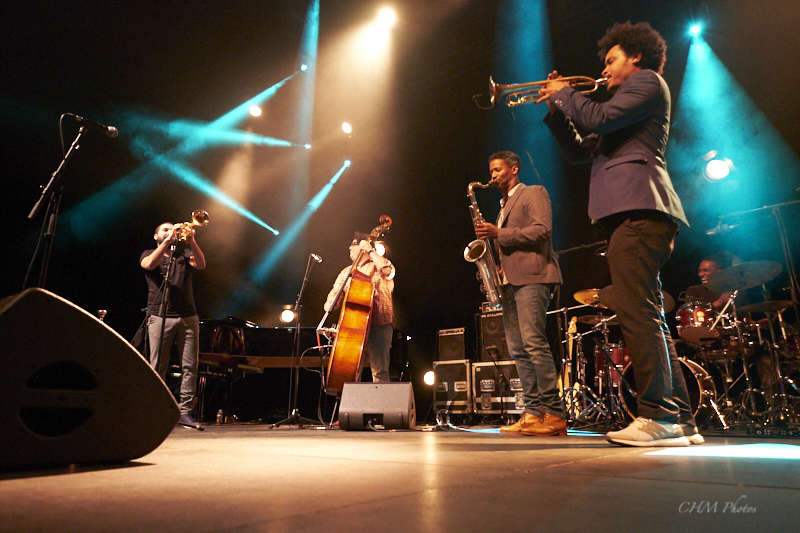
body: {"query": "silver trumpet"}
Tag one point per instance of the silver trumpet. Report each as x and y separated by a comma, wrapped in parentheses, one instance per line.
(480, 251)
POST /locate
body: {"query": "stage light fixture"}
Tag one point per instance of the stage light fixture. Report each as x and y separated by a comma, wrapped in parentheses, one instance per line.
(287, 314)
(346, 162)
(303, 67)
(347, 128)
(716, 168)
(429, 378)
(307, 146)
(695, 30)
(386, 17)
(255, 111)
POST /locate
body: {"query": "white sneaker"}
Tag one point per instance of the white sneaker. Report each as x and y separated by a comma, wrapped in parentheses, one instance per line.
(692, 434)
(647, 432)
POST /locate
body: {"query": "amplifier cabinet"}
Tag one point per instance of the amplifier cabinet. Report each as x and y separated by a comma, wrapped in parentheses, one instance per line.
(497, 388)
(451, 346)
(452, 387)
(492, 335)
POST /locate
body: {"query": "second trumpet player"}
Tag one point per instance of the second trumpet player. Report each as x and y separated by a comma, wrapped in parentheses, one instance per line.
(529, 272)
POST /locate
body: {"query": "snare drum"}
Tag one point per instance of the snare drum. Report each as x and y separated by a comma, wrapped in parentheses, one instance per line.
(727, 346)
(618, 356)
(695, 320)
(699, 384)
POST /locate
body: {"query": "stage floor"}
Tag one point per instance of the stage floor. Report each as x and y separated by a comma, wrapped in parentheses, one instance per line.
(254, 478)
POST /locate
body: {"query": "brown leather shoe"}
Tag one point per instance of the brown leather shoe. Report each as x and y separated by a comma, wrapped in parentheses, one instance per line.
(549, 425)
(525, 421)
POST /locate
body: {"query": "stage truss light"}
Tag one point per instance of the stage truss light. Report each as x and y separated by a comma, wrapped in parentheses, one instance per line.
(429, 378)
(695, 30)
(347, 128)
(716, 167)
(287, 314)
(346, 162)
(386, 17)
(255, 111)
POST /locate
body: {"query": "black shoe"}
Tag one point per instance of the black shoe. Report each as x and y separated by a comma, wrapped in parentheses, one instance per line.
(186, 420)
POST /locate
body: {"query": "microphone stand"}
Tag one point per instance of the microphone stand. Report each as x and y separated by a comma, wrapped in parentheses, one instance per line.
(52, 209)
(294, 373)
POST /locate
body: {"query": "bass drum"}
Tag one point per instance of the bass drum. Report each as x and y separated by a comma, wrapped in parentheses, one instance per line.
(699, 383)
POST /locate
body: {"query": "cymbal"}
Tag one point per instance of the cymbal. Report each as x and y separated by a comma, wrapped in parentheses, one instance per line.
(607, 297)
(593, 320)
(743, 276)
(763, 307)
(589, 297)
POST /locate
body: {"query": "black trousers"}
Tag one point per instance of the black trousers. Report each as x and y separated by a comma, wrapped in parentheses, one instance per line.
(639, 244)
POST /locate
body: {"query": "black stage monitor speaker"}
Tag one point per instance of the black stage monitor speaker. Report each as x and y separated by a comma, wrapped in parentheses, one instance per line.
(451, 344)
(390, 405)
(74, 390)
(493, 334)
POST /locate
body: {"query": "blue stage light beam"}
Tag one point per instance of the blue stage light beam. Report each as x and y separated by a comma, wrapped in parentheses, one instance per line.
(715, 114)
(186, 129)
(248, 290)
(266, 265)
(200, 183)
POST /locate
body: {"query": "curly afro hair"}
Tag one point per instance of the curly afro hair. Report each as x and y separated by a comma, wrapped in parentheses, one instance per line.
(635, 39)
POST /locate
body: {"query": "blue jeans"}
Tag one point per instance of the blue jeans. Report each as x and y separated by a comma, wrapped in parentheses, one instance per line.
(185, 331)
(524, 316)
(379, 347)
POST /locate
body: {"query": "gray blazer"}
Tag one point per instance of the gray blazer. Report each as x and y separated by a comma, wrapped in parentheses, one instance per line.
(626, 139)
(526, 251)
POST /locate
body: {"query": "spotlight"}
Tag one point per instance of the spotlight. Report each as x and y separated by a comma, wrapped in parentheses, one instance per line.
(716, 167)
(347, 128)
(429, 378)
(303, 67)
(695, 30)
(287, 315)
(347, 162)
(386, 17)
(307, 146)
(255, 111)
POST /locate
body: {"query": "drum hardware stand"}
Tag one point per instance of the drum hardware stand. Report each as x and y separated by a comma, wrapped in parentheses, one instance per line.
(575, 399)
(494, 355)
(778, 412)
(749, 392)
(616, 409)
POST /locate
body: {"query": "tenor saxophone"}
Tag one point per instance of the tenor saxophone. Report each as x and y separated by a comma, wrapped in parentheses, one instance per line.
(480, 252)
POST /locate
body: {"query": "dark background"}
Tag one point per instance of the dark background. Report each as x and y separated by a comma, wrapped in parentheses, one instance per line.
(414, 149)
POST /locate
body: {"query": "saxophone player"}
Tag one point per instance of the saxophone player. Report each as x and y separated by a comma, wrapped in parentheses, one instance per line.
(530, 272)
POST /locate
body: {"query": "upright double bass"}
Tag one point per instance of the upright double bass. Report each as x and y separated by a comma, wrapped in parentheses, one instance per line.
(347, 354)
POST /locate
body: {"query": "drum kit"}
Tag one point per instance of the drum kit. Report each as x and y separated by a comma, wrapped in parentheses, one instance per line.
(736, 369)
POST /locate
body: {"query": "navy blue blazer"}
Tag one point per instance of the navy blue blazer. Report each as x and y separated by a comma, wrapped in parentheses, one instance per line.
(524, 238)
(625, 138)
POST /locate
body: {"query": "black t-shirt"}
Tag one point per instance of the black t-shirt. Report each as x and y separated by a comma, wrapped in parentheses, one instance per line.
(181, 294)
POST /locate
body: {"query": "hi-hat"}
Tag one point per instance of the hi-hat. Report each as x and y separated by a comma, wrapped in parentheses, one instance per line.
(743, 276)
(607, 298)
(589, 297)
(764, 307)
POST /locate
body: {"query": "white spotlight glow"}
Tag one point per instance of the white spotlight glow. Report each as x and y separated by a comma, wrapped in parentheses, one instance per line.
(304, 67)
(716, 167)
(287, 315)
(347, 128)
(255, 111)
(429, 378)
(386, 17)
(695, 30)
(307, 146)
(347, 162)
(380, 249)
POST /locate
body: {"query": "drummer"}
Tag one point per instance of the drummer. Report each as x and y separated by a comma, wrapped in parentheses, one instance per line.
(708, 267)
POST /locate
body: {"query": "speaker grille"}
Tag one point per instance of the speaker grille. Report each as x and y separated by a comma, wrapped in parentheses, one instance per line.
(451, 345)
(493, 334)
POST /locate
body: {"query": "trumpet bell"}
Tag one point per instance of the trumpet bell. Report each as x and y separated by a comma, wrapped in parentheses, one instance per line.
(186, 229)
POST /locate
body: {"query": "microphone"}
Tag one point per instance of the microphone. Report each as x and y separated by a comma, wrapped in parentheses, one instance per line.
(316, 258)
(721, 229)
(111, 131)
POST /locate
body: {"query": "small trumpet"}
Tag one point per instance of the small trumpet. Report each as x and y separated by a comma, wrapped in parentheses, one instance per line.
(523, 93)
(184, 230)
